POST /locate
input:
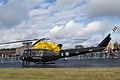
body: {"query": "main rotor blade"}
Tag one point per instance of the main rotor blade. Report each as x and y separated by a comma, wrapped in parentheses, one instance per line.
(80, 39)
(40, 40)
(18, 41)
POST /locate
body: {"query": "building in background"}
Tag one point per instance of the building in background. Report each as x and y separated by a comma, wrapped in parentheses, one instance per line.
(114, 46)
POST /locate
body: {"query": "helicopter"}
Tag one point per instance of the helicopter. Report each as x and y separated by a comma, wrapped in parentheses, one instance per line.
(42, 51)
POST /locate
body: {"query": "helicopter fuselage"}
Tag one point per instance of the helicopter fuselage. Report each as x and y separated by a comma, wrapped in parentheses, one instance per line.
(39, 55)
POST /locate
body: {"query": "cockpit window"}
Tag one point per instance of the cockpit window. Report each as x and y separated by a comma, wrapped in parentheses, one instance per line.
(37, 53)
(33, 53)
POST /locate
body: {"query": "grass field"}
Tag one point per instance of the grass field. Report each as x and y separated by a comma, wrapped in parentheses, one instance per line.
(60, 73)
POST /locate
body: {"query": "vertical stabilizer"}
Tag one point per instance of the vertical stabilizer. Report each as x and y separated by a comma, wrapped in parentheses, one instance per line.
(105, 42)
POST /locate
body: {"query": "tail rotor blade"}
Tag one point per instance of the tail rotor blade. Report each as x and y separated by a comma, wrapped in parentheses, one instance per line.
(114, 29)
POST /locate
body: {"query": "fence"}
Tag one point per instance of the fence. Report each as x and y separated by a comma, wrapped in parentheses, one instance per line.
(95, 55)
(9, 59)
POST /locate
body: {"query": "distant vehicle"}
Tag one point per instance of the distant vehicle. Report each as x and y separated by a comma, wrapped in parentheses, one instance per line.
(47, 52)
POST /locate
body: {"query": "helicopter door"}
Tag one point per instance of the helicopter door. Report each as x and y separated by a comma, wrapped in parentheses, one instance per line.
(26, 53)
(40, 53)
(37, 54)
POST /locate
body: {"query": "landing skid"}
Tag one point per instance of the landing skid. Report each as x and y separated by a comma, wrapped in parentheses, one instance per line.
(44, 62)
(27, 63)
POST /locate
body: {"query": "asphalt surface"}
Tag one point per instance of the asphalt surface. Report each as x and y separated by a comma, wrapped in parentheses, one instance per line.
(73, 63)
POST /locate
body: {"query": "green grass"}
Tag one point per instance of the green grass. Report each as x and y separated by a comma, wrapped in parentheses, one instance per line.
(60, 73)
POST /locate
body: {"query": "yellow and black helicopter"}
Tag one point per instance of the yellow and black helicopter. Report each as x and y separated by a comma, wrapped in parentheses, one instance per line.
(42, 51)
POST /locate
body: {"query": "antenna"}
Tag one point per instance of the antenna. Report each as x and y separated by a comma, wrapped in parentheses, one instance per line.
(113, 30)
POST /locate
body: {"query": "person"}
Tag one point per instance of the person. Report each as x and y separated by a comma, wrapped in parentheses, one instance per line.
(109, 52)
(115, 55)
(106, 53)
(0, 57)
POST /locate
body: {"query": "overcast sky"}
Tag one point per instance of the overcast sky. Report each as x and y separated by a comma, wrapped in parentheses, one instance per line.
(69, 22)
